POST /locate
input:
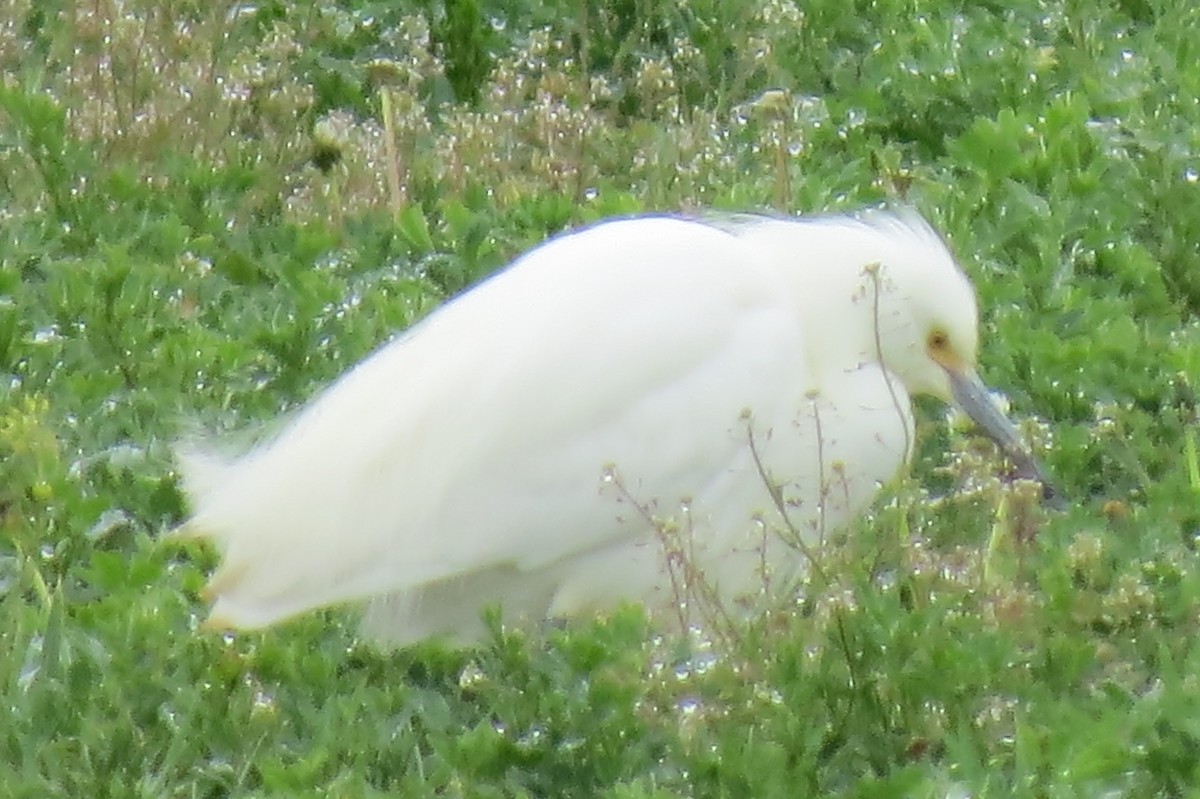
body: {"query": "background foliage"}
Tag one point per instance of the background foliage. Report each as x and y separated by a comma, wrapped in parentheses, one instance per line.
(209, 210)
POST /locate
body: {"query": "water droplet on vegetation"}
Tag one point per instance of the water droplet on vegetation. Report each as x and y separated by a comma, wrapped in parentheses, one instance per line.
(168, 716)
(239, 10)
(810, 110)
(571, 744)
(10, 567)
(46, 335)
(263, 702)
(109, 522)
(32, 664)
(530, 739)
(471, 676)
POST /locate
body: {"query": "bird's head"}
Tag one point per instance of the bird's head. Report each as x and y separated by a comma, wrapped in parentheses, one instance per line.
(925, 326)
(922, 320)
(882, 286)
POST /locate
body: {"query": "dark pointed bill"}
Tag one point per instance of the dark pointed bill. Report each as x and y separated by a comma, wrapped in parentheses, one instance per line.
(975, 400)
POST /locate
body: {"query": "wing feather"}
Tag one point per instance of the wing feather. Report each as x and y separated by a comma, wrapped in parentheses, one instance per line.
(480, 439)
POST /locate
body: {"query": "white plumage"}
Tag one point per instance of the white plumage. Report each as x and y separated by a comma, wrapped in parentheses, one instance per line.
(511, 448)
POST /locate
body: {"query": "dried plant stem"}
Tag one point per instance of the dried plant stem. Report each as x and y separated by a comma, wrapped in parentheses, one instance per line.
(689, 584)
(775, 491)
(872, 271)
(395, 192)
(783, 173)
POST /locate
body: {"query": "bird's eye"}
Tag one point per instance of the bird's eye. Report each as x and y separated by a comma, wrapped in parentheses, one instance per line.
(938, 340)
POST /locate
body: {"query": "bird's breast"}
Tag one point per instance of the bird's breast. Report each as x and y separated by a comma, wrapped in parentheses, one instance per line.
(793, 473)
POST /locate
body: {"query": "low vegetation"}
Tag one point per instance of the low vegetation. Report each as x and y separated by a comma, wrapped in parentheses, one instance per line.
(209, 210)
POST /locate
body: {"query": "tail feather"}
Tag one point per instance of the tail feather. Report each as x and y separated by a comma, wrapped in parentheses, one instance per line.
(204, 473)
(248, 590)
(280, 542)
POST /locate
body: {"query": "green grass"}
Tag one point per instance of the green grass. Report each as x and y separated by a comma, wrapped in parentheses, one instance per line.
(172, 259)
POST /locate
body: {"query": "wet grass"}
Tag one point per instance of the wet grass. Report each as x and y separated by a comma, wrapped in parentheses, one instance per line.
(198, 229)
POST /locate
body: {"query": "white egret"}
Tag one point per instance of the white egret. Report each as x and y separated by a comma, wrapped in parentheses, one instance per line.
(621, 398)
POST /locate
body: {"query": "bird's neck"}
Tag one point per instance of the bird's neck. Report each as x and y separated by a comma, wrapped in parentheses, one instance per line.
(848, 320)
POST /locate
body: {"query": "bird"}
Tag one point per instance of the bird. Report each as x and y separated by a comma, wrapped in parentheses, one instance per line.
(660, 409)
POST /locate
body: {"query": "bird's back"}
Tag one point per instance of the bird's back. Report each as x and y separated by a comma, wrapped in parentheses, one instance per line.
(513, 446)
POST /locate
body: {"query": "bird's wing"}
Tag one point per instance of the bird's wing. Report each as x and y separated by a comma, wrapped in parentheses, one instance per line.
(483, 437)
